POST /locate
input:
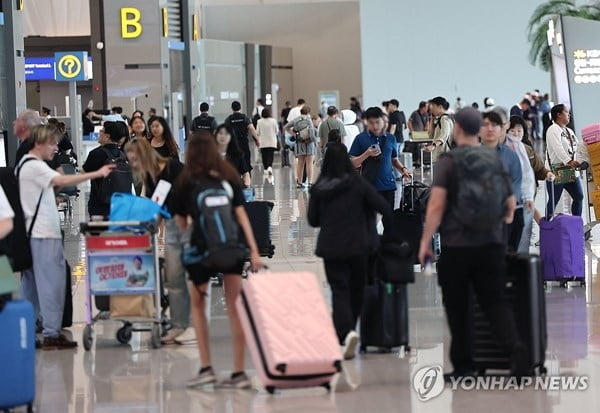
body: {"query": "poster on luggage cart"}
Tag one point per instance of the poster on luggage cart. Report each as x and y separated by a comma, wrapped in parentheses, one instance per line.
(122, 273)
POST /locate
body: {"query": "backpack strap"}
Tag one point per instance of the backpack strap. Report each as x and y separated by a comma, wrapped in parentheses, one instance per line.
(228, 188)
(37, 207)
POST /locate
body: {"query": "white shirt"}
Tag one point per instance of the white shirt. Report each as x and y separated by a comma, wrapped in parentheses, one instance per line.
(559, 148)
(267, 130)
(35, 178)
(5, 209)
(528, 181)
(294, 113)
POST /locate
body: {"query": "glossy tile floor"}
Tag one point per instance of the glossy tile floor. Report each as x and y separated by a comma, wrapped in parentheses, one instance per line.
(134, 378)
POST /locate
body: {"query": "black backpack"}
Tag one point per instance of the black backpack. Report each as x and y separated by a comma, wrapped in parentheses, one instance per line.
(482, 188)
(16, 244)
(215, 238)
(119, 180)
(203, 123)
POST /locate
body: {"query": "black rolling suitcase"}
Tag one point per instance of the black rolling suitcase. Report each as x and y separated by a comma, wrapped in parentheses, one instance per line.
(525, 294)
(67, 319)
(384, 318)
(259, 214)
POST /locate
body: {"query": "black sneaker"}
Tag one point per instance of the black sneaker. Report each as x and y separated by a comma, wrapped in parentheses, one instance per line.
(60, 342)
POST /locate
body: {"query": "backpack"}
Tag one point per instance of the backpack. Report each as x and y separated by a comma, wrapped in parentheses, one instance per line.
(304, 129)
(449, 144)
(203, 123)
(119, 180)
(16, 244)
(215, 242)
(482, 188)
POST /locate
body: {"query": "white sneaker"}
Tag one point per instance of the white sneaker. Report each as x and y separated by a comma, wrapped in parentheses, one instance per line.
(270, 170)
(350, 343)
(171, 334)
(202, 378)
(187, 337)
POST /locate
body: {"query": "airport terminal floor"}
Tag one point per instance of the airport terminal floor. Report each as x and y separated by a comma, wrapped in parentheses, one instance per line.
(135, 378)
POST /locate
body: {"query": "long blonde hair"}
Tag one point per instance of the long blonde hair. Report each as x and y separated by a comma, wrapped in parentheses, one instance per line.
(149, 159)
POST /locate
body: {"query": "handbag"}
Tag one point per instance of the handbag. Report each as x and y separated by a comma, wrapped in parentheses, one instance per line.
(395, 263)
(128, 207)
(564, 174)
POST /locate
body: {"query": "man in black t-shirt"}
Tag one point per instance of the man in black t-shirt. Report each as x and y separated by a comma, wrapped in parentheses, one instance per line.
(204, 121)
(109, 137)
(397, 121)
(472, 259)
(242, 126)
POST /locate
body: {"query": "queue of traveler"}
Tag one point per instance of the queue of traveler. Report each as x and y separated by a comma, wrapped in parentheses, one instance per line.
(219, 155)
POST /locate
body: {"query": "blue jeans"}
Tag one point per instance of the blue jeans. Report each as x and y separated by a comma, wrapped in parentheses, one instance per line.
(44, 285)
(525, 242)
(574, 189)
(399, 148)
(176, 277)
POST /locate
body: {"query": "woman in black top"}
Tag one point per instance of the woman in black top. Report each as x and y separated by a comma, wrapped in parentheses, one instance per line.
(161, 138)
(151, 168)
(344, 205)
(204, 166)
(230, 150)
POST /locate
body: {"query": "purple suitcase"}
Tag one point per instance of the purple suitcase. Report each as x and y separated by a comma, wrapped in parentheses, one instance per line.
(562, 248)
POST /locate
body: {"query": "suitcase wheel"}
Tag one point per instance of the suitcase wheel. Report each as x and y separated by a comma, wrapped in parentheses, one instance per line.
(87, 337)
(564, 284)
(582, 283)
(124, 333)
(270, 389)
(541, 371)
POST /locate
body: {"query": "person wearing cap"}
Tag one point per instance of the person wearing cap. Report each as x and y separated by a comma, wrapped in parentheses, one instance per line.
(329, 124)
(471, 259)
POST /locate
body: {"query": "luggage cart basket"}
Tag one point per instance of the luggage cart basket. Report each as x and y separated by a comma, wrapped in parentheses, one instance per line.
(122, 260)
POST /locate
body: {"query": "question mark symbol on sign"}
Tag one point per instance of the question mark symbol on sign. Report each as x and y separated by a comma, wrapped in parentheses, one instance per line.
(70, 64)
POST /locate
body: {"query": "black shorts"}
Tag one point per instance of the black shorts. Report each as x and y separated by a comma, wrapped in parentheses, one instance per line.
(200, 275)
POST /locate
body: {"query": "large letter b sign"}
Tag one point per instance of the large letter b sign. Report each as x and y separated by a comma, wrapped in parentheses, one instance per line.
(131, 27)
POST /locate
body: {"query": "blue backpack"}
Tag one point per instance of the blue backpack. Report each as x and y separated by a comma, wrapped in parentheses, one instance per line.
(215, 244)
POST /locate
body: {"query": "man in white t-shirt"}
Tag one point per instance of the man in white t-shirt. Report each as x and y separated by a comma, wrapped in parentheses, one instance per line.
(44, 284)
(295, 111)
(6, 215)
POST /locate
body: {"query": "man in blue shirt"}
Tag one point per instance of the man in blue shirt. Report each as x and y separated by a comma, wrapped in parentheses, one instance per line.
(374, 151)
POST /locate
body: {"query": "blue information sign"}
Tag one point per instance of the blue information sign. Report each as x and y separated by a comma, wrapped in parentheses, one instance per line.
(70, 66)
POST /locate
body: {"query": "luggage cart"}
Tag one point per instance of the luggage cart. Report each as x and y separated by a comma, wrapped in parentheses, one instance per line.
(122, 259)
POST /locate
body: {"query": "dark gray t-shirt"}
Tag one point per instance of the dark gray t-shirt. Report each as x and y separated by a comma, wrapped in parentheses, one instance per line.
(418, 121)
(452, 232)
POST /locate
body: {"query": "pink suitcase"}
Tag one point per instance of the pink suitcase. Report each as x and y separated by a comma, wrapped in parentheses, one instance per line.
(289, 330)
(591, 133)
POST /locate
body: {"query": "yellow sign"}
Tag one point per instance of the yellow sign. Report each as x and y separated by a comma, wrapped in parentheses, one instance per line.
(165, 22)
(69, 66)
(130, 18)
(195, 29)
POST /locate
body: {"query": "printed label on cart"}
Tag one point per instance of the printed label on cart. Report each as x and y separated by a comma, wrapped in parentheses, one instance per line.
(111, 243)
(121, 273)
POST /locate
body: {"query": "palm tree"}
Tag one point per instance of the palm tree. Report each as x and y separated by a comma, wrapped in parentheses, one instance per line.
(539, 53)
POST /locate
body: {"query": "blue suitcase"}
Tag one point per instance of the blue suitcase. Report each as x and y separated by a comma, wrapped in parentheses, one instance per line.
(17, 355)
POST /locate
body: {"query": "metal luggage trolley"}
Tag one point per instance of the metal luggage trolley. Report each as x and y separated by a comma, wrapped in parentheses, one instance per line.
(122, 259)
